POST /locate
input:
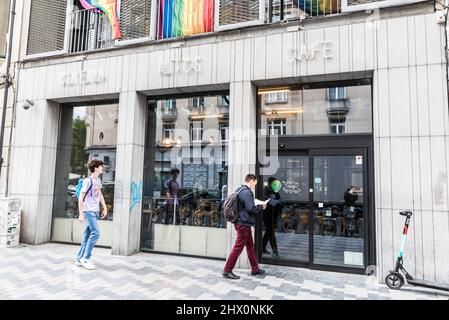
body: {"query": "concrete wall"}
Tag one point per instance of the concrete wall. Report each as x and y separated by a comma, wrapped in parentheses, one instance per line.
(404, 49)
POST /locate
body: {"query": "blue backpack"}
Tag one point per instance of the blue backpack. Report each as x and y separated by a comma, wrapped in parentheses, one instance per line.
(79, 186)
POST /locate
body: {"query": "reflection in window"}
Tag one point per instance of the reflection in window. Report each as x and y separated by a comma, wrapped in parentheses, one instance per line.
(169, 133)
(276, 97)
(277, 127)
(321, 111)
(196, 128)
(185, 177)
(86, 133)
(337, 128)
(337, 93)
(224, 131)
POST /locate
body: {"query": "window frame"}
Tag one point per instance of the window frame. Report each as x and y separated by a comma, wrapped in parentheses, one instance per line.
(238, 25)
(26, 33)
(374, 5)
(338, 128)
(196, 129)
(271, 126)
(337, 97)
(269, 95)
(224, 126)
(170, 130)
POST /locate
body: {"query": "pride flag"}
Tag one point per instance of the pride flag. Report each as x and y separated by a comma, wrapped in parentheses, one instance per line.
(318, 7)
(112, 10)
(185, 17)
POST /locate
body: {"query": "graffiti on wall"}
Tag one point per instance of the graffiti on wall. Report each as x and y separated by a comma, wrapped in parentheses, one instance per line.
(136, 194)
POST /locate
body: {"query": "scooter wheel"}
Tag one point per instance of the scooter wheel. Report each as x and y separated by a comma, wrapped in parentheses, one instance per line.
(394, 281)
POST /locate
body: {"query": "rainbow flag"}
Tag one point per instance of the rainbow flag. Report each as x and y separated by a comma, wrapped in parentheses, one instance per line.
(112, 10)
(185, 17)
(318, 7)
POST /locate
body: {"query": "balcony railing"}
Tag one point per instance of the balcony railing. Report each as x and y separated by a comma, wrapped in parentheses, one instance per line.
(284, 10)
(89, 31)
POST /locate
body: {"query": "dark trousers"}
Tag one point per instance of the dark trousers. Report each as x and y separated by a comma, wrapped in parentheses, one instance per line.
(244, 239)
(269, 235)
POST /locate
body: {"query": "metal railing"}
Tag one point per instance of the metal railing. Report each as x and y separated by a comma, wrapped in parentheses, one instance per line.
(89, 31)
(285, 10)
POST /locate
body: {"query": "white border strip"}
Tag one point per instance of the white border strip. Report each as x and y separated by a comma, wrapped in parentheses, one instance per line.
(375, 5)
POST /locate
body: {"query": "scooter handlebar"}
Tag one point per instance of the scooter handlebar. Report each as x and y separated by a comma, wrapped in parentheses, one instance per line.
(406, 213)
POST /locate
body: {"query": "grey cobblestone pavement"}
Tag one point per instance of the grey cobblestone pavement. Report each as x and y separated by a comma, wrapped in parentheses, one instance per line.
(48, 272)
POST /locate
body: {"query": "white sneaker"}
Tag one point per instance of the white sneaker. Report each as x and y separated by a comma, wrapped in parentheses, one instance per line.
(77, 262)
(87, 264)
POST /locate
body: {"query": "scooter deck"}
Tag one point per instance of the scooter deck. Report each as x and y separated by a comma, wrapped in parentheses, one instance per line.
(427, 284)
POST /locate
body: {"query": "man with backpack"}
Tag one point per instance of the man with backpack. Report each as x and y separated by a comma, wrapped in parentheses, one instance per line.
(239, 208)
(89, 211)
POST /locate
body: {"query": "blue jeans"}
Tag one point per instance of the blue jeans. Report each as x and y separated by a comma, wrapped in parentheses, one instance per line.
(91, 234)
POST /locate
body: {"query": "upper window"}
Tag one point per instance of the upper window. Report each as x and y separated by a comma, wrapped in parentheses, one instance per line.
(321, 111)
(196, 128)
(169, 133)
(238, 12)
(336, 93)
(135, 20)
(277, 127)
(337, 128)
(276, 97)
(46, 31)
(224, 131)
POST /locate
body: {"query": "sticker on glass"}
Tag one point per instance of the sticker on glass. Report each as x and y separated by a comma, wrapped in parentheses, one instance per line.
(276, 185)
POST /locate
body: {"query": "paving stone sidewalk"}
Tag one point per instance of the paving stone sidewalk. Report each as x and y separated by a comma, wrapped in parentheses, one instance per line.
(48, 272)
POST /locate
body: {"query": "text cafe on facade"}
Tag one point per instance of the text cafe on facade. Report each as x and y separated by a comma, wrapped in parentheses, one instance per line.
(321, 101)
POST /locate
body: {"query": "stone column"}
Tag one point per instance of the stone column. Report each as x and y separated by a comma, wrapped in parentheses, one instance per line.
(242, 147)
(129, 173)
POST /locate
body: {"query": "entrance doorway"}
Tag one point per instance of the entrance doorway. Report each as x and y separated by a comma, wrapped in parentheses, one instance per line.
(322, 217)
(316, 141)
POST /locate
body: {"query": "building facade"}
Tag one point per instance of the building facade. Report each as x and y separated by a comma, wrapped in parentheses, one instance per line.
(315, 99)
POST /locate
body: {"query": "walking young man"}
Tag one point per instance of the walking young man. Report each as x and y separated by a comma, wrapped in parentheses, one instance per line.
(89, 212)
(247, 219)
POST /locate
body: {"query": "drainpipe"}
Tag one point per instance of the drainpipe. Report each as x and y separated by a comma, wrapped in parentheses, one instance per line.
(7, 77)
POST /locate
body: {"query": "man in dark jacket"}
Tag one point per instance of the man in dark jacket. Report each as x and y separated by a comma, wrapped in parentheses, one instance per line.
(270, 217)
(246, 220)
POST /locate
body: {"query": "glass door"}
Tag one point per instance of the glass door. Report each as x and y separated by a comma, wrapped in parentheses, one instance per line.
(338, 207)
(285, 224)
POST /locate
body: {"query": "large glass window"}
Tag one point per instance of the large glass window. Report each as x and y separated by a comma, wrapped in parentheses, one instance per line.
(333, 110)
(185, 176)
(86, 133)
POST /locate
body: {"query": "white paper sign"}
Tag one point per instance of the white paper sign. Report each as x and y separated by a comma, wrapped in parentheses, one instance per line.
(359, 160)
(320, 205)
(354, 258)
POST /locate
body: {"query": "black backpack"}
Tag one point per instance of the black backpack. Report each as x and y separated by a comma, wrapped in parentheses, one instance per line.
(231, 206)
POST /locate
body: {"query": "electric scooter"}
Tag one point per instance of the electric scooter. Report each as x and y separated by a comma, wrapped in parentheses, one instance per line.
(395, 280)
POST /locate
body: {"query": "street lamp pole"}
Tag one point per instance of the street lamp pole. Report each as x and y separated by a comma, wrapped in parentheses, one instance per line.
(7, 78)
